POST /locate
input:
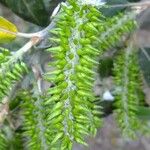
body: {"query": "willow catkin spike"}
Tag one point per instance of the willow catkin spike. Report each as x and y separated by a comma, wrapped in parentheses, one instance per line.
(127, 78)
(71, 39)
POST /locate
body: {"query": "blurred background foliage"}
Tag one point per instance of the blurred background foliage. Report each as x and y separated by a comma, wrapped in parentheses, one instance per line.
(35, 11)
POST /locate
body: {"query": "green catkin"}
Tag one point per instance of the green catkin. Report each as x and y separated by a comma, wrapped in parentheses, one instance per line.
(11, 76)
(72, 96)
(81, 35)
(126, 71)
(9, 73)
(115, 28)
(34, 124)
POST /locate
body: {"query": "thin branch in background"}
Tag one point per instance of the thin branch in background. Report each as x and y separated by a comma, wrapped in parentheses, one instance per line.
(4, 109)
(139, 4)
(145, 53)
(38, 76)
(143, 16)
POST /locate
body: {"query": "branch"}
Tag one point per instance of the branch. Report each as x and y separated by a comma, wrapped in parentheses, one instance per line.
(140, 4)
(4, 109)
(38, 76)
(41, 34)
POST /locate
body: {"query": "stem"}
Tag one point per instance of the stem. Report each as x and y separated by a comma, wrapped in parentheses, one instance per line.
(41, 34)
(18, 54)
(38, 76)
